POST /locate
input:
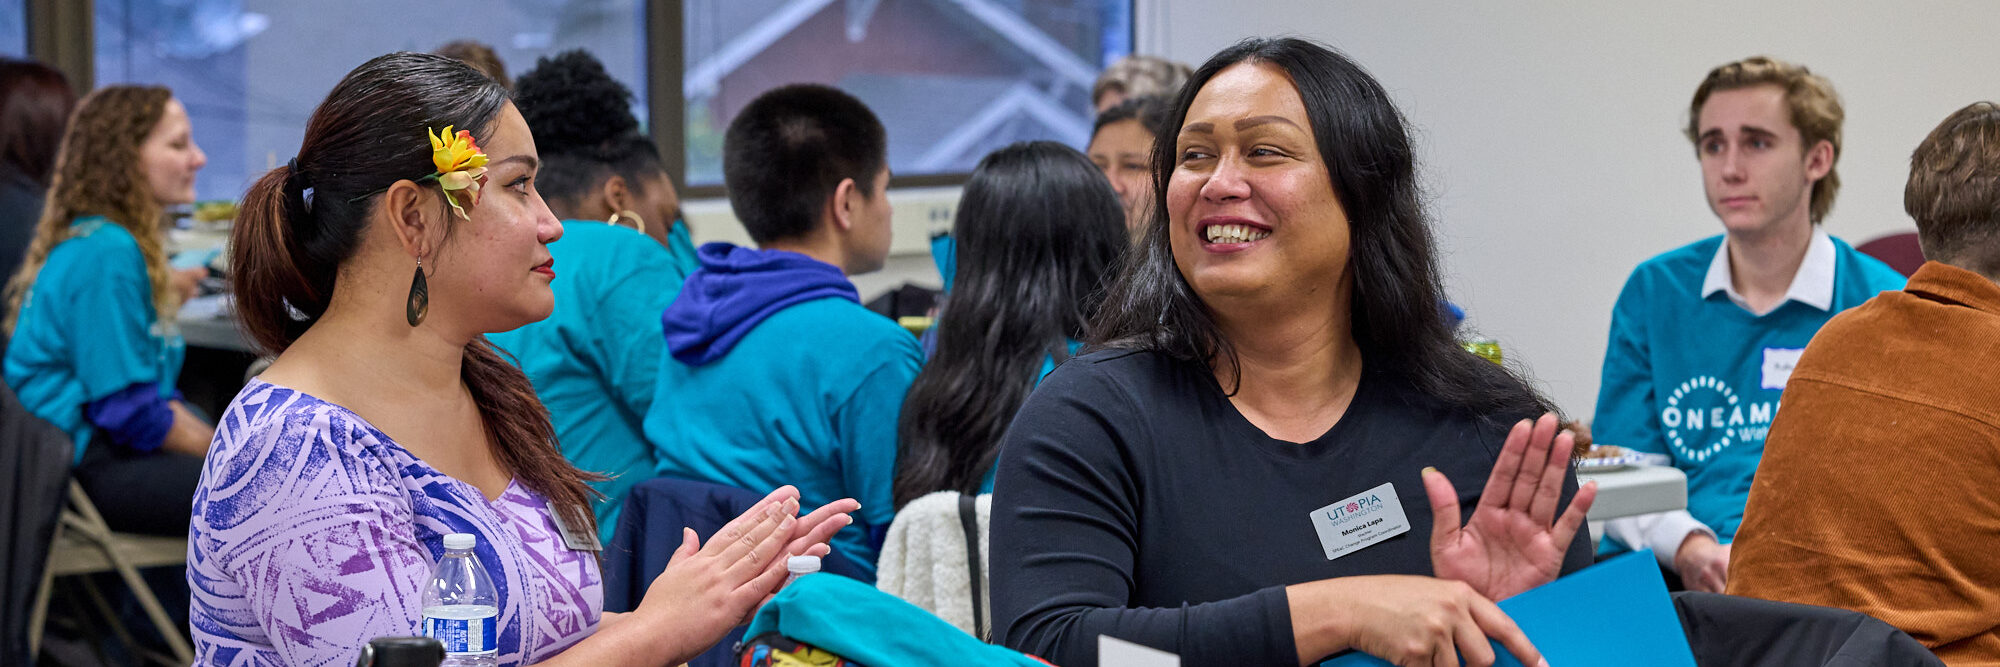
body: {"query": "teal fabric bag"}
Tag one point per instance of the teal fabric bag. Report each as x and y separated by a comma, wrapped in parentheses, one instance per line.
(853, 620)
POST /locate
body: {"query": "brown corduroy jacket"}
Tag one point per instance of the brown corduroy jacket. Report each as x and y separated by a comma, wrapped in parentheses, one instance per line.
(1879, 490)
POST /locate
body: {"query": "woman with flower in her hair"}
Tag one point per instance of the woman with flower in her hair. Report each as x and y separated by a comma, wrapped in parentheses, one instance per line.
(406, 229)
(91, 310)
(595, 359)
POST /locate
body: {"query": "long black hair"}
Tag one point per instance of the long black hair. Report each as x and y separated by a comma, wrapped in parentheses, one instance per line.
(583, 126)
(1397, 317)
(1038, 230)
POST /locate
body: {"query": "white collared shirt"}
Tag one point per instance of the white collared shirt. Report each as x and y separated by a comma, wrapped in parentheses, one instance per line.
(1812, 285)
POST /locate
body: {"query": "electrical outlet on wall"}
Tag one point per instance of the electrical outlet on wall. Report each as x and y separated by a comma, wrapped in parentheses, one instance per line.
(916, 213)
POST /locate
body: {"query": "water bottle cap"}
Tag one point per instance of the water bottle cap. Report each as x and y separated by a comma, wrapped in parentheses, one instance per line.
(802, 564)
(460, 541)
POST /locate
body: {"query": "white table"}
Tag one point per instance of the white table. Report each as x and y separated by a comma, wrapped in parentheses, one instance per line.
(1644, 489)
(1637, 490)
(210, 321)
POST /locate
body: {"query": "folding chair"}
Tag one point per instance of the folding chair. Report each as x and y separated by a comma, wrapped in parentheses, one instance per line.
(84, 544)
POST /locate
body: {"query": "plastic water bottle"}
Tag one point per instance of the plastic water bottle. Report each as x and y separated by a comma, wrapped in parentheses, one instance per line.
(462, 607)
(799, 566)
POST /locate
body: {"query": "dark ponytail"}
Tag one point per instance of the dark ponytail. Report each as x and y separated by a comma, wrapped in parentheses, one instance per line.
(299, 223)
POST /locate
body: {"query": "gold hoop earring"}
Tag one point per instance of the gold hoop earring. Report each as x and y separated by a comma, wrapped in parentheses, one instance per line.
(638, 223)
(419, 303)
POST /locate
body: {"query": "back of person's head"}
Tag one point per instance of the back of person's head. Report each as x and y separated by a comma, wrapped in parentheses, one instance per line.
(1139, 76)
(35, 103)
(1809, 98)
(1395, 313)
(1038, 231)
(1149, 110)
(1954, 190)
(479, 56)
(788, 151)
(584, 128)
(98, 171)
(300, 225)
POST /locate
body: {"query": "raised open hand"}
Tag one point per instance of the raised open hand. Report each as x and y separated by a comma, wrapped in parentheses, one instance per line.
(1514, 541)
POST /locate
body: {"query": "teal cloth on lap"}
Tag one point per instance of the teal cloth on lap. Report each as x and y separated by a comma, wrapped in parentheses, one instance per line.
(87, 329)
(873, 628)
(594, 359)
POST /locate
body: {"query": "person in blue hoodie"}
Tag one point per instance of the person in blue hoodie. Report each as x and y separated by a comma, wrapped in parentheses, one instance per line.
(1704, 337)
(778, 374)
(624, 253)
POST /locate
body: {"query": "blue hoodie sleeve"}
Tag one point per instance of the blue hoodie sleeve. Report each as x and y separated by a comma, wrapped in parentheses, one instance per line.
(1625, 400)
(866, 427)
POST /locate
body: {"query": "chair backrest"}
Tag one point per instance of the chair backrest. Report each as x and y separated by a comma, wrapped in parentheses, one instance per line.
(1901, 252)
(35, 460)
(1735, 631)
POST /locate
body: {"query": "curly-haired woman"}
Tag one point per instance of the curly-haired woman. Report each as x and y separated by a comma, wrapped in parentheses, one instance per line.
(91, 310)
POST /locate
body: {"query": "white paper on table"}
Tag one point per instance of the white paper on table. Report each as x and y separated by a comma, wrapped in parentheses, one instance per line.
(1115, 652)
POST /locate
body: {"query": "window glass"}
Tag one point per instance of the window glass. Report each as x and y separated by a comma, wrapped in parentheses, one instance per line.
(951, 79)
(251, 71)
(14, 28)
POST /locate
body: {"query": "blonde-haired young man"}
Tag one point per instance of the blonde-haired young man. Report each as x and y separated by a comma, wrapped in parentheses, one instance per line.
(1704, 337)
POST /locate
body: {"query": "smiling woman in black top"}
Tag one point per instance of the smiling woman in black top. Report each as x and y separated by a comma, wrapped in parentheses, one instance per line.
(1226, 479)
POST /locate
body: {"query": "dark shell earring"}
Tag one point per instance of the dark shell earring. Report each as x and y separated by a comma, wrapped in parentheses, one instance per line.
(420, 297)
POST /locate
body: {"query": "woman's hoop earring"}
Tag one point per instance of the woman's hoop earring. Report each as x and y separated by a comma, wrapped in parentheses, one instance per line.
(638, 223)
(419, 303)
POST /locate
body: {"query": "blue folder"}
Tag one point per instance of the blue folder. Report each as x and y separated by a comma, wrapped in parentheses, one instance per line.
(1613, 613)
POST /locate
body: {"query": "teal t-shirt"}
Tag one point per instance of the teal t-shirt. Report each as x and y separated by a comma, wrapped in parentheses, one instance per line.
(680, 246)
(810, 398)
(87, 329)
(594, 360)
(1698, 378)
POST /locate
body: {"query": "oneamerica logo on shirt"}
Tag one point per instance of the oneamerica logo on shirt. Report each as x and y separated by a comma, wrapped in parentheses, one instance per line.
(1704, 416)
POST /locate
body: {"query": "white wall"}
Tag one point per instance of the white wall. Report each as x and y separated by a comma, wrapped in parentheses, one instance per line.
(1549, 131)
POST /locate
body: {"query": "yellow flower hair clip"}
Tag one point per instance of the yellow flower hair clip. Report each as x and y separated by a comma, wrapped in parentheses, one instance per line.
(461, 167)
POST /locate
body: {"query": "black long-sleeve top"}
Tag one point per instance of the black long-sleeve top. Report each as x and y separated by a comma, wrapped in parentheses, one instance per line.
(1133, 500)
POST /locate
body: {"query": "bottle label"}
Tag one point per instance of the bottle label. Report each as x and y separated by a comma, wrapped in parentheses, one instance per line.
(463, 636)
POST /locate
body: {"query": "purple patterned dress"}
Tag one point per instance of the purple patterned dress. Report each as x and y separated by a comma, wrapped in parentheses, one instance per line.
(314, 533)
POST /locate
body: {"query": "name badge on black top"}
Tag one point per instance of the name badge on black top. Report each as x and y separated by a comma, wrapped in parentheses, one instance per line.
(1360, 522)
(576, 540)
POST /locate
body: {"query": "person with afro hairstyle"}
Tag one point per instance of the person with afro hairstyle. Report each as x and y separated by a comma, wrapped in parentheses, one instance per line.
(624, 253)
